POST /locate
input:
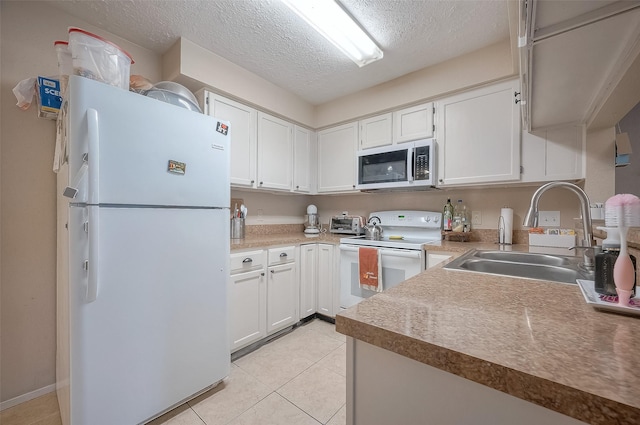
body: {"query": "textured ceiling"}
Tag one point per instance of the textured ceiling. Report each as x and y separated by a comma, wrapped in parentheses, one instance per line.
(266, 38)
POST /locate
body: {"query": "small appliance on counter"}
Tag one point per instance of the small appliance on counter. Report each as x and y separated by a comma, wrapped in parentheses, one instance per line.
(347, 224)
(312, 222)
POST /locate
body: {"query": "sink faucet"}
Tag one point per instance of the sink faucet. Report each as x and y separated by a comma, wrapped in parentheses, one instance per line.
(531, 219)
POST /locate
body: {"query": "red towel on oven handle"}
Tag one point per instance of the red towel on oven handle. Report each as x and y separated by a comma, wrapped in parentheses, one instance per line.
(369, 269)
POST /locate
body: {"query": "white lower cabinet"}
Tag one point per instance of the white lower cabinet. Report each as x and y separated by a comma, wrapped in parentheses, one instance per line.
(317, 282)
(282, 289)
(308, 279)
(268, 293)
(327, 292)
(435, 258)
(247, 299)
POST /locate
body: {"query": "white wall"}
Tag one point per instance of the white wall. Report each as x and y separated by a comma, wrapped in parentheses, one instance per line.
(195, 67)
(476, 68)
(600, 175)
(628, 177)
(28, 209)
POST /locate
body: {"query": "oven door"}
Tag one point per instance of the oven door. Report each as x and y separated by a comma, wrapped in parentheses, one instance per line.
(398, 265)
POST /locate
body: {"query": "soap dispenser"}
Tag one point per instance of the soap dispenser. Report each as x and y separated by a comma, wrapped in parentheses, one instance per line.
(605, 260)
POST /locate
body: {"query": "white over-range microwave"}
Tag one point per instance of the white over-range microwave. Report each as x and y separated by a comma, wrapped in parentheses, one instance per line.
(406, 165)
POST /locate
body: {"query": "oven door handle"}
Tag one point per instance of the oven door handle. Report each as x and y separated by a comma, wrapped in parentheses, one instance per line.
(385, 251)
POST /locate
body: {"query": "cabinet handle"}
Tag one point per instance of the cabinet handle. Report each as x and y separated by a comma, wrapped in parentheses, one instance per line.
(253, 181)
(441, 181)
(272, 271)
(262, 274)
(247, 260)
(260, 183)
(284, 254)
(297, 187)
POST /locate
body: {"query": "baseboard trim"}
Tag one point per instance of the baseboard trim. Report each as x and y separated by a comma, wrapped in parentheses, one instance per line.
(28, 396)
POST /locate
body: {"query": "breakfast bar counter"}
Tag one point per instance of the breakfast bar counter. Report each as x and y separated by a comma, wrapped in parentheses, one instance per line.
(530, 340)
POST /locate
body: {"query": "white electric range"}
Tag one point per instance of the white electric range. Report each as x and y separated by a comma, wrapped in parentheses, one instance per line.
(405, 236)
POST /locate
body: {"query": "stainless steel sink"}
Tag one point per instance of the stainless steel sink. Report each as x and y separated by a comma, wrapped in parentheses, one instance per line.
(527, 257)
(556, 268)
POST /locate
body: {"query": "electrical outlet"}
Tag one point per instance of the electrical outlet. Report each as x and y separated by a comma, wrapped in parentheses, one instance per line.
(549, 218)
(476, 218)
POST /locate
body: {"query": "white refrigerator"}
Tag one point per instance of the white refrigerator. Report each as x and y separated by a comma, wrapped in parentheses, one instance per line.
(143, 246)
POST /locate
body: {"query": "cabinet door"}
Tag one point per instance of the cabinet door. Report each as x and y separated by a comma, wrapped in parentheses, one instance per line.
(302, 160)
(247, 308)
(282, 297)
(243, 137)
(308, 276)
(479, 136)
(326, 280)
(413, 123)
(554, 154)
(337, 158)
(435, 258)
(275, 152)
(375, 131)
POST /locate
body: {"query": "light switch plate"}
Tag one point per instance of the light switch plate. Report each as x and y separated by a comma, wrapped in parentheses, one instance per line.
(549, 218)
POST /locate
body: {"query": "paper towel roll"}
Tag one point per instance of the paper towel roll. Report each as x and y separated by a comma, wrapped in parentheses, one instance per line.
(505, 222)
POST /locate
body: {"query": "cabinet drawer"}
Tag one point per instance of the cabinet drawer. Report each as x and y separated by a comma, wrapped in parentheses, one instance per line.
(282, 255)
(246, 261)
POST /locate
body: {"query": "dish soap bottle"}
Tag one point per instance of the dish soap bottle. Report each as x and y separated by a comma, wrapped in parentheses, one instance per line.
(605, 260)
(447, 216)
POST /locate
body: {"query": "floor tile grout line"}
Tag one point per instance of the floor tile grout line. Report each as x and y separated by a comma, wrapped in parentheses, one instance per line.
(299, 408)
(334, 415)
(194, 411)
(290, 401)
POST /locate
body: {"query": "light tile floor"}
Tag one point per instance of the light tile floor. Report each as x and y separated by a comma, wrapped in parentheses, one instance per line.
(298, 379)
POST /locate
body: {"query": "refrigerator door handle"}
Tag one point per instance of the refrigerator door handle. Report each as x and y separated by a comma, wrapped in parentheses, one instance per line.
(94, 253)
(93, 131)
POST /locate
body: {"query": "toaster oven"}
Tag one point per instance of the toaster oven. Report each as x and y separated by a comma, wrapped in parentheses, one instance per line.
(347, 224)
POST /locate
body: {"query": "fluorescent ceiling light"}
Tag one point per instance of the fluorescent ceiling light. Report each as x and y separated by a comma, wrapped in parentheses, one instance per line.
(330, 20)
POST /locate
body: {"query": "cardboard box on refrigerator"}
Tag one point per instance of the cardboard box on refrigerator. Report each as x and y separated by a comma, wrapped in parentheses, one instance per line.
(49, 99)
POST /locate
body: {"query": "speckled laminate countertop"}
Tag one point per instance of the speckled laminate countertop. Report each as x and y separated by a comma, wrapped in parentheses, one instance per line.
(280, 239)
(536, 340)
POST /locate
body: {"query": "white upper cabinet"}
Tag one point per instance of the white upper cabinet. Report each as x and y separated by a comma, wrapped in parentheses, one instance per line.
(553, 154)
(413, 123)
(303, 162)
(479, 136)
(244, 151)
(375, 131)
(275, 152)
(576, 61)
(337, 158)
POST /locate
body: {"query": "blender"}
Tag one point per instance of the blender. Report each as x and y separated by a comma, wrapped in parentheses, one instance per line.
(312, 222)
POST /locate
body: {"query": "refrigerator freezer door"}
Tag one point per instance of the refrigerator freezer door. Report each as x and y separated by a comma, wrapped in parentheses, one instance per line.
(142, 151)
(156, 332)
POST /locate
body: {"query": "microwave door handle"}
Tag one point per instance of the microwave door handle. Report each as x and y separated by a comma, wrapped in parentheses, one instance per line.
(413, 165)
